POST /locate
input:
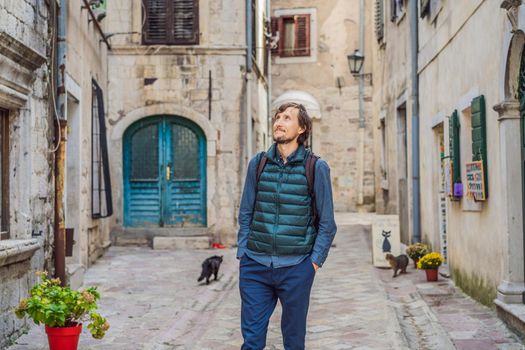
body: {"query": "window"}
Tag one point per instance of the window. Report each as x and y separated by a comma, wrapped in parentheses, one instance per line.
(430, 8)
(294, 35)
(4, 174)
(397, 10)
(379, 20)
(424, 8)
(170, 22)
(101, 202)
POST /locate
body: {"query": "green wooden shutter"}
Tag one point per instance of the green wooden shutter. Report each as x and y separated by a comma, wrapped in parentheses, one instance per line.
(453, 136)
(479, 134)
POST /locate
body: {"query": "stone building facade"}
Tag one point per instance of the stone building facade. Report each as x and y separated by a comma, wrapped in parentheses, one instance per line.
(470, 71)
(85, 91)
(185, 115)
(310, 65)
(392, 109)
(26, 156)
(34, 96)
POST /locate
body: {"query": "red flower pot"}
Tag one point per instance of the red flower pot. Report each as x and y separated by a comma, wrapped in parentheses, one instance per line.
(432, 275)
(63, 338)
(415, 263)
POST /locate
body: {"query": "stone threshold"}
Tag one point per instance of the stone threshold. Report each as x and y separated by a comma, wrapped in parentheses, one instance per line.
(513, 315)
(17, 250)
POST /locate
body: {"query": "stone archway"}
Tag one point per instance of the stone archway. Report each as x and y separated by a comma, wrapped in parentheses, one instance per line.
(512, 286)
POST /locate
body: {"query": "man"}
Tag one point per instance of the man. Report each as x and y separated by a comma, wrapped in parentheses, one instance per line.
(279, 245)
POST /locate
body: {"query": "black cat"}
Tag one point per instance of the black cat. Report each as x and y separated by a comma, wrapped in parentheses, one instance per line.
(210, 267)
(386, 243)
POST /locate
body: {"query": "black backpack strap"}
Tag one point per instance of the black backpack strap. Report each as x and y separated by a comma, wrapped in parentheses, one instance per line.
(311, 159)
(260, 166)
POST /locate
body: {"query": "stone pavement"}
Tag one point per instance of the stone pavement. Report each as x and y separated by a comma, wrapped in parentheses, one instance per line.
(153, 301)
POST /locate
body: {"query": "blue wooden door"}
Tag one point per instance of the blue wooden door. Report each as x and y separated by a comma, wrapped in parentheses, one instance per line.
(164, 173)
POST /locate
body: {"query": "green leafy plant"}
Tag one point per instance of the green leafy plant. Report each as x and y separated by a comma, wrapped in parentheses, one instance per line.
(417, 250)
(431, 260)
(56, 306)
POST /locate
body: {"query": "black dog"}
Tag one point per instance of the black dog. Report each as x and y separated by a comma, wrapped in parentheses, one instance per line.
(210, 267)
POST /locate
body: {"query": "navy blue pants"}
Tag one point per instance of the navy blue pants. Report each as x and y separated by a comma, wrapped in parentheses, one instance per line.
(260, 288)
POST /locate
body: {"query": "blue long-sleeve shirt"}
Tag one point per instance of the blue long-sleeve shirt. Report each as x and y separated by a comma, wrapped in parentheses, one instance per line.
(325, 211)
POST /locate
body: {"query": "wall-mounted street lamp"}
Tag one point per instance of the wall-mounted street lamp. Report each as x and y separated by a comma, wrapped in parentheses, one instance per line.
(355, 63)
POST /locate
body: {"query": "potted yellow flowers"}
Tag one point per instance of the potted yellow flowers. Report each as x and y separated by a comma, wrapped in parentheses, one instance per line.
(430, 263)
(416, 251)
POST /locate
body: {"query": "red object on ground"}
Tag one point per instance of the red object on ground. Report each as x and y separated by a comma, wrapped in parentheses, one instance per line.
(63, 338)
(218, 246)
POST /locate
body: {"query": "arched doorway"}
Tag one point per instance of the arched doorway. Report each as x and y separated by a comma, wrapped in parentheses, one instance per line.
(164, 173)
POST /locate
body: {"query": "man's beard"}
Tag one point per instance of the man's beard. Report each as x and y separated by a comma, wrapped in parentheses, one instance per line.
(282, 140)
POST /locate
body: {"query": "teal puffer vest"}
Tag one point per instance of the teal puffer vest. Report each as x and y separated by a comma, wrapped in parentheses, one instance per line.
(282, 220)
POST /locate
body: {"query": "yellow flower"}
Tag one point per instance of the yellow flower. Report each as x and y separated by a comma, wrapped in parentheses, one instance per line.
(430, 261)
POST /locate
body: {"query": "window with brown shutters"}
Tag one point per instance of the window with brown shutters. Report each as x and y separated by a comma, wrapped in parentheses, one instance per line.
(170, 22)
(294, 35)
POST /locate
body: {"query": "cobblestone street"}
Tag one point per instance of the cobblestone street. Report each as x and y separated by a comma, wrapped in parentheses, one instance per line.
(153, 301)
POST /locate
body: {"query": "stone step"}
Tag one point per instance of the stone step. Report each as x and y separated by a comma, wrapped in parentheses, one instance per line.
(168, 231)
(144, 236)
(174, 243)
(513, 315)
(75, 275)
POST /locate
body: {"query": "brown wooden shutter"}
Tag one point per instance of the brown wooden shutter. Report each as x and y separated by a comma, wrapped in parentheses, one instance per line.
(171, 22)
(275, 33)
(302, 35)
(155, 21)
(280, 29)
(185, 21)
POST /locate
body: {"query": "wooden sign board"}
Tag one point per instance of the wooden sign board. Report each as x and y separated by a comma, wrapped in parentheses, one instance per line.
(385, 239)
(475, 180)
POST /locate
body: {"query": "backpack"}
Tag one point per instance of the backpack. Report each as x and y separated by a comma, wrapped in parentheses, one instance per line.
(311, 159)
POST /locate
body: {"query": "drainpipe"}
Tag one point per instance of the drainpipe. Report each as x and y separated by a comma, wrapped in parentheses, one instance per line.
(268, 54)
(248, 77)
(59, 226)
(416, 216)
(361, 129)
